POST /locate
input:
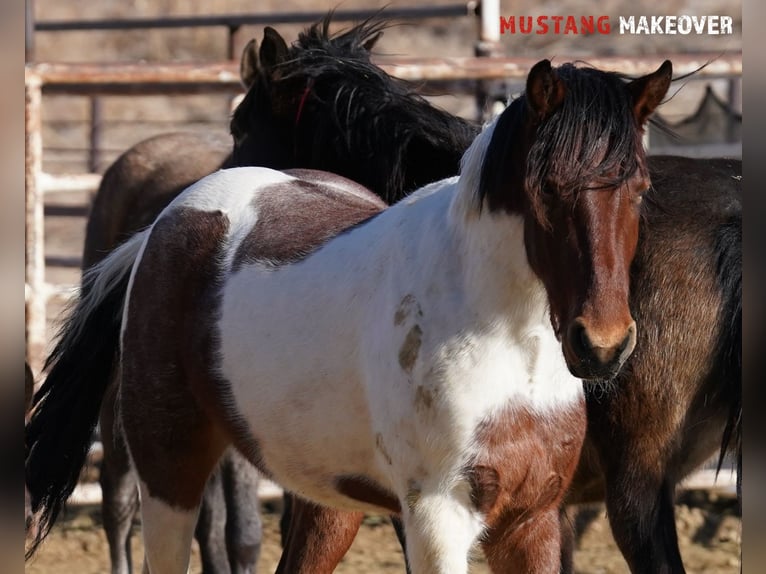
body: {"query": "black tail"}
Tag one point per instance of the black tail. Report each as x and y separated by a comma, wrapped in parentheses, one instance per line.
(80, 368)
(729, 250)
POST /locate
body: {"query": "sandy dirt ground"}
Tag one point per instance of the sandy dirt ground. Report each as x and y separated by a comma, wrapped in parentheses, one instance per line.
(709, 532)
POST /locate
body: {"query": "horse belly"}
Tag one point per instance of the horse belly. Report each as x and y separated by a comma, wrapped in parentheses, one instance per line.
(294, 378)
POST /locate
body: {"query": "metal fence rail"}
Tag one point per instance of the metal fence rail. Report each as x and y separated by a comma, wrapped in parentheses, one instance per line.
(234, 22)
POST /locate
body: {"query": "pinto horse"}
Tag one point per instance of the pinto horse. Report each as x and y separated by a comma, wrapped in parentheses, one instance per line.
(450, 330)
(425, 146)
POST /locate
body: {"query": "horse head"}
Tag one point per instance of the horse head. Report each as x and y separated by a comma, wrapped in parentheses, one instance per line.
(568, 157)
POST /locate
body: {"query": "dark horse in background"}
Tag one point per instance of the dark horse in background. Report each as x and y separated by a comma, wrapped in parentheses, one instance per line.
(686, 287)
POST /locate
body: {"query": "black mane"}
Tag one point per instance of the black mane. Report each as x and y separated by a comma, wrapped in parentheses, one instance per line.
(353, 119)
(592, 140)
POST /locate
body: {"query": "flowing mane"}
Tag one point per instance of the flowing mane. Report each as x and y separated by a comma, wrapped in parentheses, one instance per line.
(326, 87)
(568, 154)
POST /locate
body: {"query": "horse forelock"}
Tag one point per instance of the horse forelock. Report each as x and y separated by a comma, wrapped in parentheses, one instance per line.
(595, 127)
(592, 141)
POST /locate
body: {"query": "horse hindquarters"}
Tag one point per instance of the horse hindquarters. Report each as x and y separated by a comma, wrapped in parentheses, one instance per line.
(132, 193)
(171, 408)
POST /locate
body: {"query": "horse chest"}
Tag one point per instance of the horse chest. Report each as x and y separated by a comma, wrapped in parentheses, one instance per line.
(525, 461)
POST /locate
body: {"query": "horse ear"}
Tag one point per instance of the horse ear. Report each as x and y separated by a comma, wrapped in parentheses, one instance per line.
(369, 44)
(545, 90)
(648, 91)
(274, 49)
(248, 65)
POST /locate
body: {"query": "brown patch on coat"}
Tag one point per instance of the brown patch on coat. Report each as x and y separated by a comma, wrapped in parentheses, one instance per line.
(424, 398)
(318, 538)
(173, 411)
(297, 217)
(408, 353)
(527, 464)
(364, 489)
(406, 307)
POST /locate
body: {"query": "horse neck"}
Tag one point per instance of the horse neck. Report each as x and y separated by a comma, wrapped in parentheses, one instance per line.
(419, 143)
(496, 270)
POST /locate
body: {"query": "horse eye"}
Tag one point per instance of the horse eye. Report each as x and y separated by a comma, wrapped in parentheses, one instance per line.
(547, 191)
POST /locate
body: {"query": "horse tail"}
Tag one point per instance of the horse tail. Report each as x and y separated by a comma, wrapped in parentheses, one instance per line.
(729, 253)
(80, 368)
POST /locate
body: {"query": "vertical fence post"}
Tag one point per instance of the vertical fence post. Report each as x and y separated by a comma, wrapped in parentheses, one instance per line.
(490, 21)
(487, 45)
(232, 53)
(35, 288)
(231, 48)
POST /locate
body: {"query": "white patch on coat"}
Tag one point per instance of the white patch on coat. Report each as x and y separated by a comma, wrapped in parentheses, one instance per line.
(167, 534)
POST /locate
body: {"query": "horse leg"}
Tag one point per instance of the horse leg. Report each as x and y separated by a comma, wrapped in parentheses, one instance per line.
(244, 531)
(440, 530)
(317, 538)
(174, 447)
(643, 525)
(533, 547)
(567, 541)
(170, 505)
(119, 490)
(211, 526)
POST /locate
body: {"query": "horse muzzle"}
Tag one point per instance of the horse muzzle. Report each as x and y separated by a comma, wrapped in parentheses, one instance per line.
(590, 356)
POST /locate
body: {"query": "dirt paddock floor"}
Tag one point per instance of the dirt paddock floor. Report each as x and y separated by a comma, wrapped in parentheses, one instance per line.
(708, 525)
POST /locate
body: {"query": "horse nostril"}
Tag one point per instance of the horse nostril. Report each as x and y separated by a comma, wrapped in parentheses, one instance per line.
(579, 341)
